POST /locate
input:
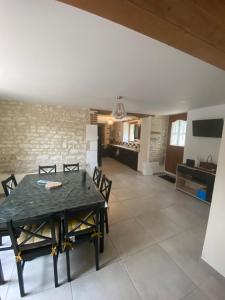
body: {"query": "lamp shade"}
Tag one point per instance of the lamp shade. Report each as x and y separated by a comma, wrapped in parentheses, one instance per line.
(119, 110)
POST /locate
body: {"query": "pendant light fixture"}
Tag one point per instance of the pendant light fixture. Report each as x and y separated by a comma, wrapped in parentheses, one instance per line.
(119, 110)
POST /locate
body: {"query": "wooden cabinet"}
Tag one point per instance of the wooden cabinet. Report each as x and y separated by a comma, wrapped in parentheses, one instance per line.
(125, 156)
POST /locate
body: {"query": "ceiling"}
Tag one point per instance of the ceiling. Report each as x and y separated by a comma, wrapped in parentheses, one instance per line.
(196, 27)
(53, 53)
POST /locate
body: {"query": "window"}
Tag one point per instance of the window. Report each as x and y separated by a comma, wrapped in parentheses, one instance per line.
(131, 132)
(178, 132)
(131, 139)
(126, 132)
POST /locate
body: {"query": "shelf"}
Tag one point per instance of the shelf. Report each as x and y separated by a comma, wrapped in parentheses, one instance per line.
(188, 192)
(193, 182)
(188, 185)
(191, 179)
(187, 189)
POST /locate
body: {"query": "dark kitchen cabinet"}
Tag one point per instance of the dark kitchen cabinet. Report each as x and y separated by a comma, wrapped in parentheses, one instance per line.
(125, 156)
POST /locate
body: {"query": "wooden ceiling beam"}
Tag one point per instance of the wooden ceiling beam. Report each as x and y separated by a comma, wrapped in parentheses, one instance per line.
(196, 27)
(215, 8)
(192, 18)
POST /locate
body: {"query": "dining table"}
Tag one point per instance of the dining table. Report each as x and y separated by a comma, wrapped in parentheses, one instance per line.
(31, 199)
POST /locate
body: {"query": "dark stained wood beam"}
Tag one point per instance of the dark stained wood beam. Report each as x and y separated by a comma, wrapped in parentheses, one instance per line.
(196, 27)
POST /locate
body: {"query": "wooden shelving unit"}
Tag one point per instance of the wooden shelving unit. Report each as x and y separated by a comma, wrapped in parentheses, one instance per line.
(189, 180)
(189, 186)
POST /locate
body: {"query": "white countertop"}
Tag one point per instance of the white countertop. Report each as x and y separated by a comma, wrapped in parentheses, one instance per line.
(124, 147)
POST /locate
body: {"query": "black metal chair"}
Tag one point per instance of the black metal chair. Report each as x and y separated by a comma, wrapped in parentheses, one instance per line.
(71, 167)
(47, 169)
(97, 176)
(4, 232)
(105, 189)
(2, 281)
(37, 237)
(77, 228)
(8, 185)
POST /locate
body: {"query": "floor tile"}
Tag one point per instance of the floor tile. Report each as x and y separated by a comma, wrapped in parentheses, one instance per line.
(159, 225)
(163, 200)
(197, 294)
(59, 293)
(194, 205)
(38, 276)
(8, 264)
(199, 232)
(112, 198)
(82, 259)
(186, 249)
(109, 283)
(123, 193)
(118, 212)
(214, 287)
(130, 236)
(133, 206)
(157, 276)
(183, 217)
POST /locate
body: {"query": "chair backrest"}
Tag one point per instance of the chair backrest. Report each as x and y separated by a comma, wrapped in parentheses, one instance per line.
(71, 167)
(77, 223)
(32, 233)
(47, 169)
(97, 176)
(9, 185)
(105, 188)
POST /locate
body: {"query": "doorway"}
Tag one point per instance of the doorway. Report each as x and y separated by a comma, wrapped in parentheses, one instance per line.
(175, 142)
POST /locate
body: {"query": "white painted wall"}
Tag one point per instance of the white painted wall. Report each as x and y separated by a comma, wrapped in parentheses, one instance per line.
(143, 155)
(91, 147)
(214, 246)
(200, 147)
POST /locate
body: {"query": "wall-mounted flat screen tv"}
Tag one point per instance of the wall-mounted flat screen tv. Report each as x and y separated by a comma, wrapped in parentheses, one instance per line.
(208, 128)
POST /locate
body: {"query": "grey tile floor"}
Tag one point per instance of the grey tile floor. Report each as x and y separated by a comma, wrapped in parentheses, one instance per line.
(153, 250)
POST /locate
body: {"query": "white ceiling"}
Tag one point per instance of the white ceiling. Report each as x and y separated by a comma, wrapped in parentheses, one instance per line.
(54, 53)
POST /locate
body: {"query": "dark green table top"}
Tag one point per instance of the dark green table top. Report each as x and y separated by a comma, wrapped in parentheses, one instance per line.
(30, 199)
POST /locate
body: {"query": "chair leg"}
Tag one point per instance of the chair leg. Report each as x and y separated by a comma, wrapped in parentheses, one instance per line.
(1, 274)
(96, 253)
(102, 230)
(106, 221)
(20, 278)
(55, 261)
(68, 264)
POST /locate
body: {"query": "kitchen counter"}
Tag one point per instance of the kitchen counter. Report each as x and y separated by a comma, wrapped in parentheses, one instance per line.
(124, 154)
(124, 147)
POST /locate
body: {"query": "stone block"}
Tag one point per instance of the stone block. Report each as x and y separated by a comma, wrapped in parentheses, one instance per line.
(40, 134)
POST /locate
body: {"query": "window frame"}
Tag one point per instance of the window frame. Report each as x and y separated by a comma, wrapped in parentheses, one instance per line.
(178, 133)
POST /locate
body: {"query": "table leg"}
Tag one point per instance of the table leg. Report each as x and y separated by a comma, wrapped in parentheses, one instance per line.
(1, 274)
(102, 230)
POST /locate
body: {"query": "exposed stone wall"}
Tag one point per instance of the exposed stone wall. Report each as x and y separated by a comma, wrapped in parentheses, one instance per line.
(107, 131)
(33, 134)
(118, 132)
(158, 138)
